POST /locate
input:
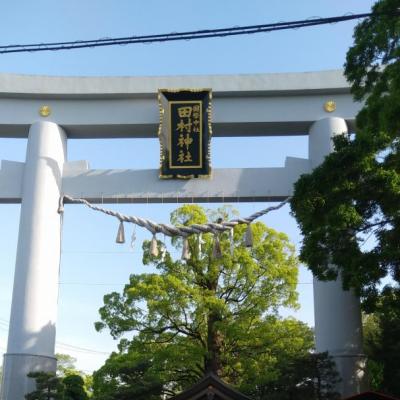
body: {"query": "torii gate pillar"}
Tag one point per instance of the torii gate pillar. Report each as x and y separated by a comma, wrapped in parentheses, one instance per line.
(34, 304)
(338, 327)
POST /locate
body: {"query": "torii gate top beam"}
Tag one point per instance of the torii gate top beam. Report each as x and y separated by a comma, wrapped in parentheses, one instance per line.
(126, 107)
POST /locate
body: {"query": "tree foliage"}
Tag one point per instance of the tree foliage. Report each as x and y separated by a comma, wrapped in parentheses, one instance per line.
(205, 314)
(382, 343)
(127, 376)
(65, 365)
(348, 207)
(144, 370)
(74, 388)
(306, 377)
(49, 386)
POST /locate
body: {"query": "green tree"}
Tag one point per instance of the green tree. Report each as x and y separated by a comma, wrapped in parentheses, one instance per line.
(88, 384)
(372, 345)
(74, 388)
(305, 377)
(348, 208)
(314, 376)
(52, 387)
(169, 367)
(67, 384)
(66, 365)
(127, 376)
(206, 314)
(48, 387)
(354, 196)
(382, 342)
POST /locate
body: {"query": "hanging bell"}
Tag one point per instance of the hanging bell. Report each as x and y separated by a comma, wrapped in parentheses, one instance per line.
(248, 238)
(185, 249)
(217, 252)
(154, 246)
(121, 233)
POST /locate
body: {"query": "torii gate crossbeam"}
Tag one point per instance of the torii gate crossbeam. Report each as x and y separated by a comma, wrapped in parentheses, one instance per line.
(247, 105)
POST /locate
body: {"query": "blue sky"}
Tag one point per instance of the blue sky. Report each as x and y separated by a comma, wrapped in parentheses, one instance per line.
(92, 264)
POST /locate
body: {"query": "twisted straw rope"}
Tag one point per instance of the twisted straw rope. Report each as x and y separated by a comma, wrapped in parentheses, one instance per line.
(171, 230)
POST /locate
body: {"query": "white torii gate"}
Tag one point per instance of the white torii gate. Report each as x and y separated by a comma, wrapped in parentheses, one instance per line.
(49, 110)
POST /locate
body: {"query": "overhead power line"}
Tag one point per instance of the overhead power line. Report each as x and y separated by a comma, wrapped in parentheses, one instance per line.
(68, 347)
(79, 349)
(176, 36)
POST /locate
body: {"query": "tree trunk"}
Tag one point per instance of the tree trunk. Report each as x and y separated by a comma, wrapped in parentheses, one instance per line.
(213, 362)
(214, 346)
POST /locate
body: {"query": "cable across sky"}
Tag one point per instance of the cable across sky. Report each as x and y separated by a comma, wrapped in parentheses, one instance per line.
(177, 36)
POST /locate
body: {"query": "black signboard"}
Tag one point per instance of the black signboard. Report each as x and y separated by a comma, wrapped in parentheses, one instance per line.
(185, 133)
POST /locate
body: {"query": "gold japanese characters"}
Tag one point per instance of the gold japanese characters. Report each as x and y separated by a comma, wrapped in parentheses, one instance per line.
(189, 133)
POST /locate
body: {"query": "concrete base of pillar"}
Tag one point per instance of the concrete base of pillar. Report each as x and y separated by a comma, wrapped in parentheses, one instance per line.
(16, 367)
(338, 330)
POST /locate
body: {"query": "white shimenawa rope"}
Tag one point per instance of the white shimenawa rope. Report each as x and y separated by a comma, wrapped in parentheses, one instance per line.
(171, 230)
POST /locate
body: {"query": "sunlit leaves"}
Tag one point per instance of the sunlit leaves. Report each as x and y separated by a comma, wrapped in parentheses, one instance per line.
(204, 313)
(348, 208)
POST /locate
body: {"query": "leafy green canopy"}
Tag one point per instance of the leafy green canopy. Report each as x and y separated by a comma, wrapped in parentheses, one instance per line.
(74, 388)
(205, 314)
(66, 367)
(48, 387)
(67, 384)
(382, 343)
(128, 376)
(348, 208)
(52, 387)
(308, 377)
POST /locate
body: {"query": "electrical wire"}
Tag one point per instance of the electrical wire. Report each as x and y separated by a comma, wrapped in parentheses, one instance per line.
(80, 349)
(67, 346)
(188, 35)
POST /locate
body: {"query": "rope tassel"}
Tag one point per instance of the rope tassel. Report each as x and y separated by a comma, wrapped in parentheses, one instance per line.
(121, 233)
(248, 238)
(185, 249)
(154, 246)
(217, 252)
